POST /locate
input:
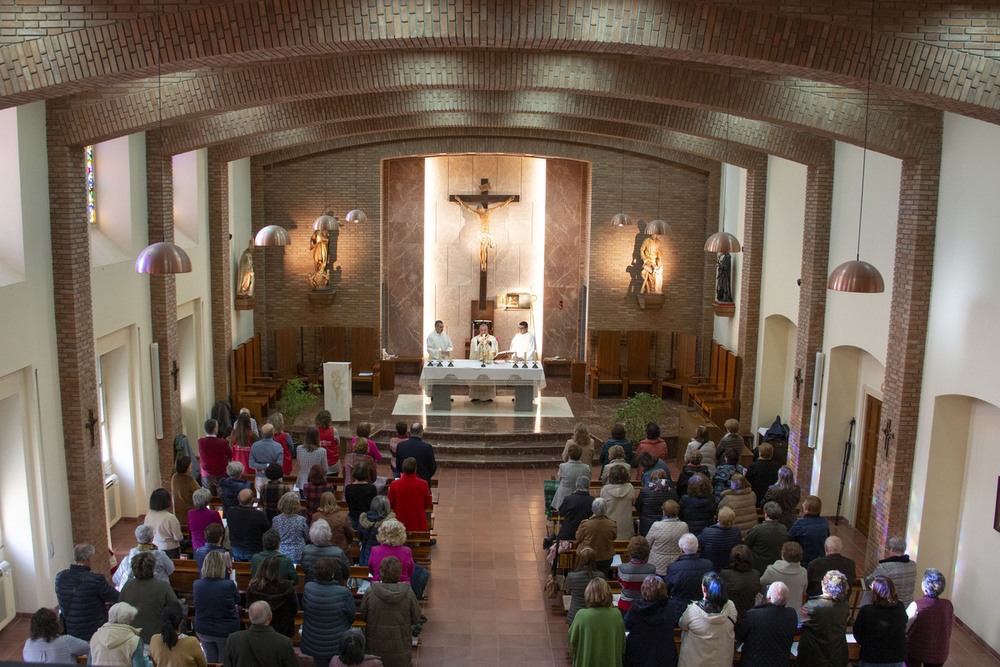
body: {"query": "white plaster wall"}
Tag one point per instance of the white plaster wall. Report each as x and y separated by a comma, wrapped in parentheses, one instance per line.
(732, 212)
(12, 249)
(239, 227)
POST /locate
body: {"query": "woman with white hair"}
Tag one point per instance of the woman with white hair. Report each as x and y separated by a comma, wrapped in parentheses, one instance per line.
(320, 546)
(117, 643)
(231, 485)
(928, 630)
(598, 532)
(199, 517)
(164, 566)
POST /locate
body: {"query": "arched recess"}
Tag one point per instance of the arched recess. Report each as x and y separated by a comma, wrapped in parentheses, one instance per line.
(775, 385)
(851, 374)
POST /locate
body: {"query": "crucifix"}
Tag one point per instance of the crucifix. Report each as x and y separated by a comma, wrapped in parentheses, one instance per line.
(889, 435)
(483, 212)
(798, 381)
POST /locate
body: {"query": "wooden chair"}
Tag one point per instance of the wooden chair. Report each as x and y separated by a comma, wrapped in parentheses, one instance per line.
(366, 367)
(606, 368)
(257, 402)
(685, 355)
(638, 371)
(287, 350)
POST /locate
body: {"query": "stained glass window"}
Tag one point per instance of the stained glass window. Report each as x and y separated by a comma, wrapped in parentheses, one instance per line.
(91, 208)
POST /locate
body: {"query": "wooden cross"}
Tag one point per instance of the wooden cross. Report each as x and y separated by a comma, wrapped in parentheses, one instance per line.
(798, 381)
(483, 213)
(889, 435)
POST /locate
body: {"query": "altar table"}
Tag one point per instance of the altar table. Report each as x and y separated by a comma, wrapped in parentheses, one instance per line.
(437, 381)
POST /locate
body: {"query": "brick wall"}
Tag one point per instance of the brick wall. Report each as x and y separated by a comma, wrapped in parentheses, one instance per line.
(750, 280)
(220, 271)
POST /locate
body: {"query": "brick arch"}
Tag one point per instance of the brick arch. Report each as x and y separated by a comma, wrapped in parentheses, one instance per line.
(260, 31)
(651, 120)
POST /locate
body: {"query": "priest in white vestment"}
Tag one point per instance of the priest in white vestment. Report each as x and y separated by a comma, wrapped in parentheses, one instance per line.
(483, 348)
(438, 343)
(523, 343)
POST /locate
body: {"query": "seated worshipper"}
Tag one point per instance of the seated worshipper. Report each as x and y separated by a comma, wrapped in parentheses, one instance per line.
(241, 439)
(199, 517)
(581, 437)
(767, 632)
(598, 532)
(898, 567)
(739, 498)
(717, 541)
(617, 459)
(167, 534)
(698, 506)
(363, 431)
(880, 627)
(742, 581)
(283, 438)
(523, 343)
(163, 568)
(216, 606)
(575, 508)
(389, 609)
(833, 560)
(788, 569)
(597, 635)
(649, 502)
(231, 485)
(309, 454)
(763, 472)
(928, 633)
(786, 493)
(684, 575)
(352, 651)
(811, 530)
(268, 586)
(569, 472)
(341, 533)
(402, 433)
(83, 595)
(182, 487)
(410, 498)
(329, 441)
(702, 443)
(358, 495)
(438, 343)
(653, 443)
(260, 644)
(708, 626)
(617, 439)
(767, 537)
(663, 537)
(272, 543)
(724, 472)
(214, 534)
(392, 542)
(359, 454)
(632, 573)
(577, 581)
(620, 496)
(292, 526)
(247, 526)
(692, 466)
(148, 595)
(647, 463)
(46, 643)
(170, 647)
(272, 491)
(732, 441)
(483, 347)
(117, 643)
(314, 489)
(650, 624)
(320, 547)
(823, 638)
(368, 524)
(328, 612)
(214, 454)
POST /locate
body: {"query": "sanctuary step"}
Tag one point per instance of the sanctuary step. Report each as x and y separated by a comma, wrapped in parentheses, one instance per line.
(491, 450)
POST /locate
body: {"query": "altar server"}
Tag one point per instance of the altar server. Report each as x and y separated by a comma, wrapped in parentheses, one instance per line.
(523, 343)
(438, 343)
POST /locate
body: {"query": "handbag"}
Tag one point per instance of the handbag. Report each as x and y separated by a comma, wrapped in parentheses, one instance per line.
(554, 583)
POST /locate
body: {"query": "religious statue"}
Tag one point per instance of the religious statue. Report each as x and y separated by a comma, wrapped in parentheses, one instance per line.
(244, 288)
(724, 280)
(318, 246)
(483, 212)
(651, 254)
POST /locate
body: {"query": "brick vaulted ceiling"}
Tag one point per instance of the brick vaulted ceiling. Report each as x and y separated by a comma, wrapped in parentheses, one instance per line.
(660, 78)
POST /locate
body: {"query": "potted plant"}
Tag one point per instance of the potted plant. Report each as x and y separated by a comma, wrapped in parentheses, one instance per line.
(296, 397)
(635, 413)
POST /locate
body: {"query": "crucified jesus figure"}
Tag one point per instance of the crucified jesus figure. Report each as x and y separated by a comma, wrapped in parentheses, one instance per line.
(483, 212)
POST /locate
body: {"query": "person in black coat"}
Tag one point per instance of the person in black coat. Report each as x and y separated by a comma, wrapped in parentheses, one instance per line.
(767, 631)
(83, 595)
(698, 506)
(649, 502)
(420, 450)
(650, 624)
(683, 577)
(575, 509)
(763, 472)
(880, 627)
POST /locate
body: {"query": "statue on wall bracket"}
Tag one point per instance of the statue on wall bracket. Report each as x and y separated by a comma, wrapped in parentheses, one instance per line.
(245, 280)
(650, 294)
(322, 279)
(724, 305)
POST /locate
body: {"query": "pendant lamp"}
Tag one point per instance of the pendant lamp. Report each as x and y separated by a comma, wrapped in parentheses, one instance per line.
(272, 235)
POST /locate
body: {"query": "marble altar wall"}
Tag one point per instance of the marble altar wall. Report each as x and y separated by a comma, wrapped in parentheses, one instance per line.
(565, 261)
(403, 254)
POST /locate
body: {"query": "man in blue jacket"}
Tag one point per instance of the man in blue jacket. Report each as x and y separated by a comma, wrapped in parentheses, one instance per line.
(83, 595)
(811, 530)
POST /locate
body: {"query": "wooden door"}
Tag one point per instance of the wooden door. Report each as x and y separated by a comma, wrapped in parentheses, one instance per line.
(869, 449)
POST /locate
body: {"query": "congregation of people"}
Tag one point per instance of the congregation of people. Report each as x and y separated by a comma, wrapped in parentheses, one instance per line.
(283, 530)
(734, 558)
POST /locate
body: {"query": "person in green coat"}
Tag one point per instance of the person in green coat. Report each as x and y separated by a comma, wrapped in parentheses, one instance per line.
(597, 636)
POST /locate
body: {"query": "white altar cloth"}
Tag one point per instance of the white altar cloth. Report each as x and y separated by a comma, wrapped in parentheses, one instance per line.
(470, 371)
